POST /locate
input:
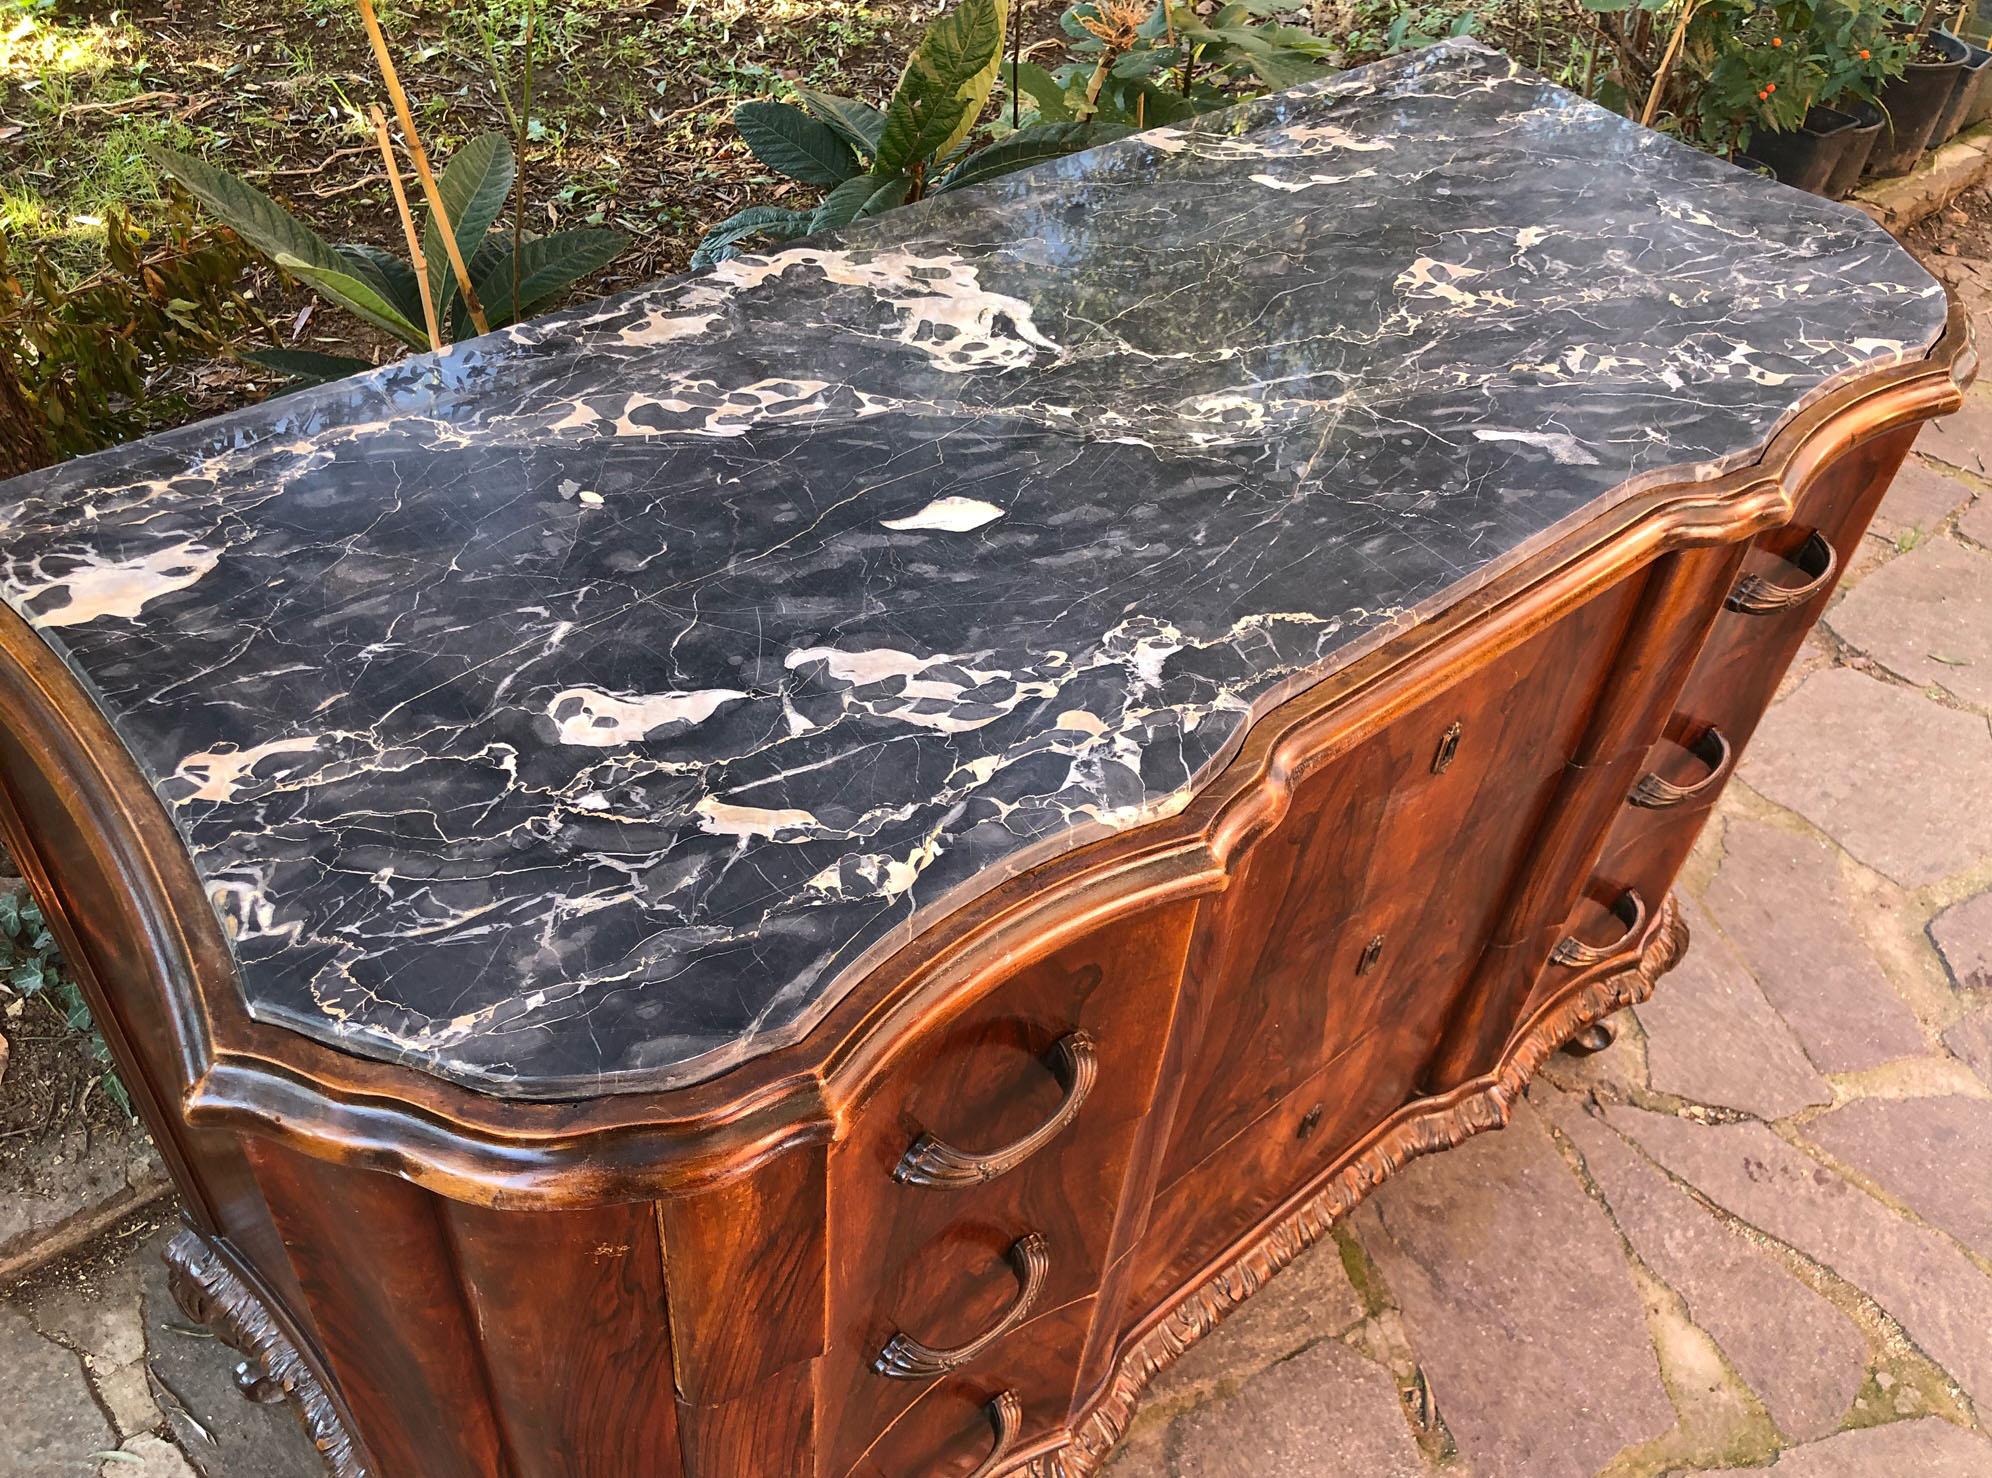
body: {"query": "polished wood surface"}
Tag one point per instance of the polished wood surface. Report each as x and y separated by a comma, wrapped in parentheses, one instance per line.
(1052, 1140)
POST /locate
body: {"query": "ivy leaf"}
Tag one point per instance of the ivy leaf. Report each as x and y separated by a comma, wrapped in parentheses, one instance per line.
(945, 84)
(474, 189)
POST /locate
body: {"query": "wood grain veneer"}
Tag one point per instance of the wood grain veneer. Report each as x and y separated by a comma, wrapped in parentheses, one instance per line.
(1341, 954)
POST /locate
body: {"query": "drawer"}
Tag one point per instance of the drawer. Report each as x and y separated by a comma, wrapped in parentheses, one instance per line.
(1313, 1129)
(1337, 925)
(1666, 807)
(1779, 592)
(980, 1183)
(976, 1422)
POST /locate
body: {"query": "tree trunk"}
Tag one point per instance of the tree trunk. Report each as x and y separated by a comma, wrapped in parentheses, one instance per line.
(23, 447)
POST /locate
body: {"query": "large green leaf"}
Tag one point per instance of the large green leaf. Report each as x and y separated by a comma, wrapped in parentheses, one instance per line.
(306, 367)
(857, 123)
(724, 240)
(393, 277)
(855, 199)
(474, 188)
(288, 242)
(548, 266)
(251, 214)
(1035, 83)
(945, 84)
(789, 141)
(361, 295)
(1028, 146)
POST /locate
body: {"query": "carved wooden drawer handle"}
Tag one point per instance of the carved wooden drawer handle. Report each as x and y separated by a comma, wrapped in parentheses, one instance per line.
(929, 1161)
(1630, 909)
(1006, 1414)
(1756, 595)
(905, 1358)
(1712, 748)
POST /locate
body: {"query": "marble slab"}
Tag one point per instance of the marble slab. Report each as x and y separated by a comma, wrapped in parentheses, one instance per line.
(586, 709)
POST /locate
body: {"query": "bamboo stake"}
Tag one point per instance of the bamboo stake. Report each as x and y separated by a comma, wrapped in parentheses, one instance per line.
(524, 132)
(415, 256)
(420, 156)
(1660, 74)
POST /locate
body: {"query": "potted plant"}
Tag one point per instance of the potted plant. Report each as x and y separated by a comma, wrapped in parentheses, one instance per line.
(1758, 80)
(1850, 53)
(1912, 102)
(1972, 80)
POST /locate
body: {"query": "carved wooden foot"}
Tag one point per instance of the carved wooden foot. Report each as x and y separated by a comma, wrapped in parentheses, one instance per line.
(1592, 1039)
(210, 1292)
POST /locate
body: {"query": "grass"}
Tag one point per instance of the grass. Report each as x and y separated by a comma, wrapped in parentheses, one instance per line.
(630, 123)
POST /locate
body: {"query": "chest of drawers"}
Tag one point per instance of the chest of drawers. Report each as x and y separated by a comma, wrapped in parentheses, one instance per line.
(815, 870)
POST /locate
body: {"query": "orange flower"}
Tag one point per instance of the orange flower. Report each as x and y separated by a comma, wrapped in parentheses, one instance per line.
(1864, 53)
(1777, 41)
(1769, 88)
(1116, 23)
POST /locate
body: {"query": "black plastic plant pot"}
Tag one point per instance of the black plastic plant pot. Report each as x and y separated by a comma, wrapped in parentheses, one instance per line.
(1980, 106)
(1860, 140)
(1972, 79)
(1807, 157)
(1910, 105)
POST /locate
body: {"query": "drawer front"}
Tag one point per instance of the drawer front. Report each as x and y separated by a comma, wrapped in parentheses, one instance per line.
(976, 1422)
(1245, 1179)
(1785, 581)
(1376, 893)
(980, 1183)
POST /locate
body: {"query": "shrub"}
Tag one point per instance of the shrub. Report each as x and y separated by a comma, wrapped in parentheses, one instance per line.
(379, 287)
(77, 362)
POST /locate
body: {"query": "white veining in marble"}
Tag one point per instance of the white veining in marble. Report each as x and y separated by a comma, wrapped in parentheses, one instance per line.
(585, 710)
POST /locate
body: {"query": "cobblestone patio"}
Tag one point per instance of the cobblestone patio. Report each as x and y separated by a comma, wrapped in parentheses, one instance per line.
(1753, 1235)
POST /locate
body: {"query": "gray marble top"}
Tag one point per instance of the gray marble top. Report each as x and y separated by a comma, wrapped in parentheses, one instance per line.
(587, 709)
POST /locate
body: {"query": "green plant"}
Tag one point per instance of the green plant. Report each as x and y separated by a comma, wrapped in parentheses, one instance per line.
(31, 967)
(1763, 68)
(1144, 64)
(77, 362)
(1858, 50)
(379, 287)
(869, 159)
(1752, 68)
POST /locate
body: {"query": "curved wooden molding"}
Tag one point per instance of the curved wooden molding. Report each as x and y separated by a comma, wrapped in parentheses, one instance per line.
(1422, 1128)
(212, 1293)
(126, 902)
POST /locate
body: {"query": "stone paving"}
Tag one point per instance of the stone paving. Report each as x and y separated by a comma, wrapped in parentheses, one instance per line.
(1753, 1236)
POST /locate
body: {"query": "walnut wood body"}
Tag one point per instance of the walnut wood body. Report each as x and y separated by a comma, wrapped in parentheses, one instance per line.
(1410, 884)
